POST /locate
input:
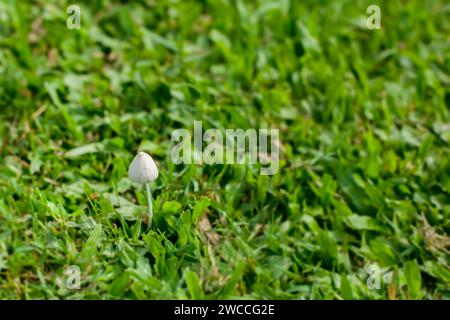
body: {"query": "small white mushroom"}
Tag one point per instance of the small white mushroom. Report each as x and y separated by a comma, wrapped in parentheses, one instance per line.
(143, 170)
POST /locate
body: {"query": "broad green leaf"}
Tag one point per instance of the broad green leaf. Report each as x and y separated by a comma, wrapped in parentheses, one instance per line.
(413, 278)
(194, 285)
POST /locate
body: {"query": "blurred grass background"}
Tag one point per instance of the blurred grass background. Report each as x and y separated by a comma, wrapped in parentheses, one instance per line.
(364, 173)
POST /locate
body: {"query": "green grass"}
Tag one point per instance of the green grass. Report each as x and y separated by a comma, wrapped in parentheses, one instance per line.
(365, 166)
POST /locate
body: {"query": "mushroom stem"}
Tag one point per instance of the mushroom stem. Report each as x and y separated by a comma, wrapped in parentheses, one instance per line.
(150, 207)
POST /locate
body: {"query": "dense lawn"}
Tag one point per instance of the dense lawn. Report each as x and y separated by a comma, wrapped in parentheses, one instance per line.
(364, 173)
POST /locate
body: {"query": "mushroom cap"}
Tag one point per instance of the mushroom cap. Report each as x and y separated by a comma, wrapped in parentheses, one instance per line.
(143, 169)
